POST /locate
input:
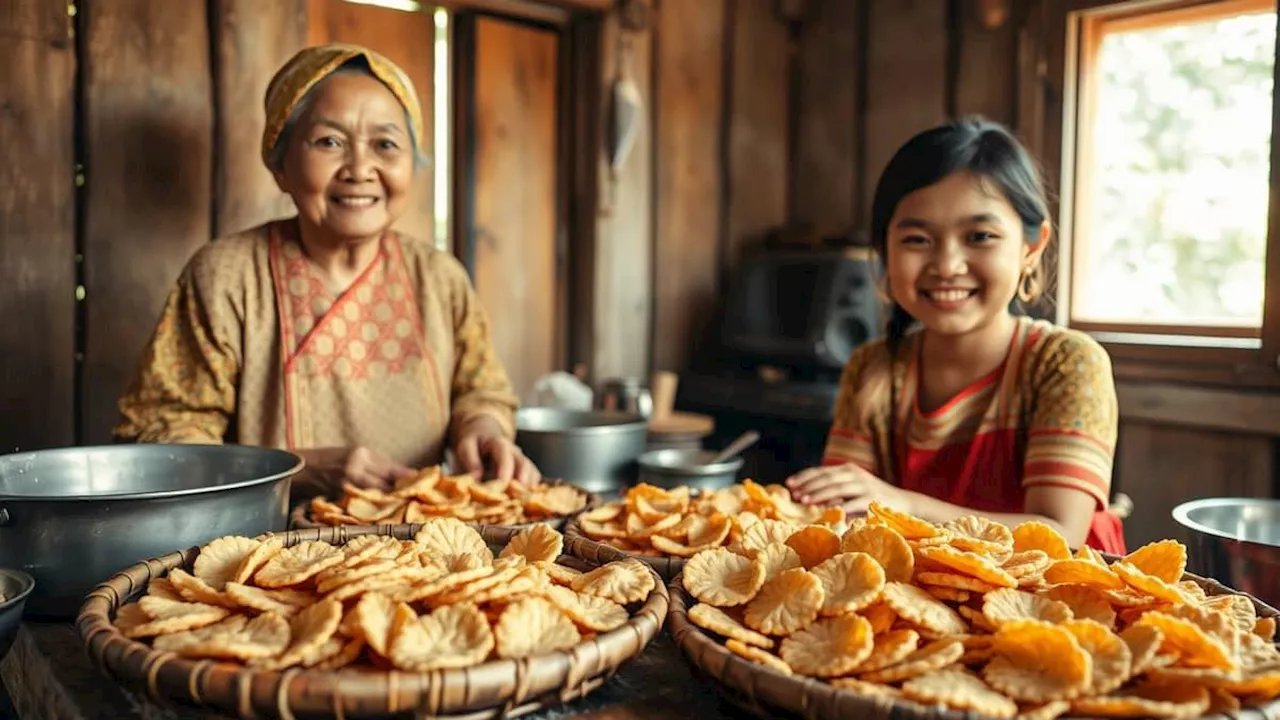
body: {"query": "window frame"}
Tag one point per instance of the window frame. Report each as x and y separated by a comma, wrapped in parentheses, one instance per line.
(1215, 355)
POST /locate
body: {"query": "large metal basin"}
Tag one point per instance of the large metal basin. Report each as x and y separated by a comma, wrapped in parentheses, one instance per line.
(15, 587)
(1235, 541)
(74, 517)
(594, 450)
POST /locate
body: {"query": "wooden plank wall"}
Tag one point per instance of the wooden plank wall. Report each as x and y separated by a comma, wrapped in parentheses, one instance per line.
(148, 156)
(37, 219)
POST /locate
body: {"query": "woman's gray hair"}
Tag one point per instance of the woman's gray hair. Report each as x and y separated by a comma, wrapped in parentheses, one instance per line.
(275, 160)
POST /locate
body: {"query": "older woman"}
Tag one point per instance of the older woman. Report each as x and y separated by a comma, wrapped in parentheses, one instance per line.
(363, 351)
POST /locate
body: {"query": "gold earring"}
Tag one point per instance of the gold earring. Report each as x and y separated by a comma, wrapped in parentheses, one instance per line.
(1029, 285)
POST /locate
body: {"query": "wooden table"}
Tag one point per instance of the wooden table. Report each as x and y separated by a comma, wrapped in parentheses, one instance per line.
(49, 677)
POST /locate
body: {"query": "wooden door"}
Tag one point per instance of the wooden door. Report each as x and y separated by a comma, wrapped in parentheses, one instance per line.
(509, 228)
(407, 39)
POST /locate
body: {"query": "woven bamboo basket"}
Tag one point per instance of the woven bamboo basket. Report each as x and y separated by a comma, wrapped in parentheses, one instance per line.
(495, 689)
(300, 517)
(767, 693)
(666, 566)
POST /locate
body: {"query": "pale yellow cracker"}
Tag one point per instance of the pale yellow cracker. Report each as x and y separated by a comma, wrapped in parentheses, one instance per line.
(285, 603)
(887, 546)
(264, 551)
(921, 608)
(1165, 560)
(828, 647)
(454, 544)
(709, 617)
(786, 603)
(776, 557)
(1007, 604)
(624, 581)
(296, 564)
(309, 630)
(1112, 661)
(264, 636)
(967, 563)
(889, 648)
(1086, 603)
(559, 574)
(980, 535)
(588, 611)
(814, 544)
(959, 690)
(1147, 700)
(1035, 535)
(850, 582)
(1037, 662)
(936, 655)
(169, 616)
(533, 626)
(218, 562)
(756, 655)
(723, 578)
(457, 636)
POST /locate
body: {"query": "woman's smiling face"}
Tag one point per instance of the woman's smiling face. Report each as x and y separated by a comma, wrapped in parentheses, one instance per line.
(956, 251)
(349, 163)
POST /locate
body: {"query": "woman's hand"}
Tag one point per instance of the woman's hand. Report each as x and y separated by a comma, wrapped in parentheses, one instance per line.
(480, 443)
(848, 486)
(331, 467)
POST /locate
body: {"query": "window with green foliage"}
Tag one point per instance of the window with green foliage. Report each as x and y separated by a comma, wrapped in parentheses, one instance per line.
(1169, 172)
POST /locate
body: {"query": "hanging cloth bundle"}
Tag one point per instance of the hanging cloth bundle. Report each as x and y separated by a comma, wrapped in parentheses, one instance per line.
(626, 115)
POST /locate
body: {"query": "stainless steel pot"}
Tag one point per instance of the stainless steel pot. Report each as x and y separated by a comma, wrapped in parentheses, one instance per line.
(1235, 541)
(675, 467)
(15, 586)
(74, 517)
(594, 450)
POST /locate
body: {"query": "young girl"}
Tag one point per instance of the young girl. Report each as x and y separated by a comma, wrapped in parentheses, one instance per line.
(965, 408)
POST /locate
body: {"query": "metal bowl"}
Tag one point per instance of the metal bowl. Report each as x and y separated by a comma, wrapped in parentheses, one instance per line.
(15, 586)
(672, 468)
(74, 517)
(595, 450)
(1235, 541)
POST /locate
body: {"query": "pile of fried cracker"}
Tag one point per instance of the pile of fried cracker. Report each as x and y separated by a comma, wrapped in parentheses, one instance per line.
(652, 521)
(976, 617)
(440, 600)
(432, 494)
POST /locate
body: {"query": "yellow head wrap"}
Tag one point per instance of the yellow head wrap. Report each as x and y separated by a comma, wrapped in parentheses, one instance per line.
(313, 64)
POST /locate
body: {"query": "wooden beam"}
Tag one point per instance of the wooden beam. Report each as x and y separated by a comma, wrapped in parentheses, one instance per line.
(148, 134)
(624, 228)
(1204, 408)
(251, 40)
(825, 179)
(37, 226)
(906, 78)
(758, 133)
(689, 106)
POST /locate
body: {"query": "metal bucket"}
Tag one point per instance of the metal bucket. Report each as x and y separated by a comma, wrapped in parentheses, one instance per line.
(594, 450)
(74, 517)
(15, 586)
(1235, 541)
(672, 468)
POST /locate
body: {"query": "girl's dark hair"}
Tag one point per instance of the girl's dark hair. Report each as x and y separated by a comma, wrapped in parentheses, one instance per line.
(973, 145)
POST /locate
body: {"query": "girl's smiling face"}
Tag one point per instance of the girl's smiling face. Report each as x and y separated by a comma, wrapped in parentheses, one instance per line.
(956, 252)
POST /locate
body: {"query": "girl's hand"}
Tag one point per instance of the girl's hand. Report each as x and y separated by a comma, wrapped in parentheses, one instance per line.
(481, 444)
(848, 486)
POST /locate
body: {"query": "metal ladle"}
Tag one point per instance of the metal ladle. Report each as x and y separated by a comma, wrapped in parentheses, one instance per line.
(743, 441)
